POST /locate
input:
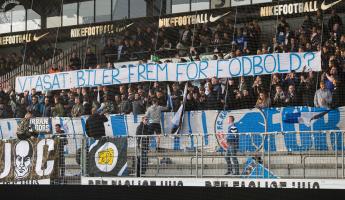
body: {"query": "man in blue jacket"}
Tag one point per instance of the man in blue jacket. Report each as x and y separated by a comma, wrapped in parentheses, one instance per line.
(232, 140)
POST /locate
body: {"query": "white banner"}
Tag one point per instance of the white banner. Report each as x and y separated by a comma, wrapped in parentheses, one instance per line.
(235, 67)
(218, 182)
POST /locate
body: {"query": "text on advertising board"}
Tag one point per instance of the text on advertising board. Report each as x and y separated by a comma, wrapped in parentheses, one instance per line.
(97, 30)
(285, 9)
(189, 19)
(132, 73)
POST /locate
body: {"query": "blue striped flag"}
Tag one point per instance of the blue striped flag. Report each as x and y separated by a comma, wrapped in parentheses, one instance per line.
(169, 99)
(177, 120)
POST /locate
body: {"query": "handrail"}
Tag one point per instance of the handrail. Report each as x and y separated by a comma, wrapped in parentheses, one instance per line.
(245, 133)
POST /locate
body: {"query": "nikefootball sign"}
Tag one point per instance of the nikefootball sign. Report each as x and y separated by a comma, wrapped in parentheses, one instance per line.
(21, 38)
(97, 30)
(190, 19)
(295, 8)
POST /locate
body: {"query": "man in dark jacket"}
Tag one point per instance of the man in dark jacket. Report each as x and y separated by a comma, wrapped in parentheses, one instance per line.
(90, 59)
(143, 145)
(62, 138)
(47, 109)
(125, 105)
(232, 143)
(230, 95)
(95, 124)
(138, 106)
(334, 19)
(338, 94)
(35, 107)
(74, 62)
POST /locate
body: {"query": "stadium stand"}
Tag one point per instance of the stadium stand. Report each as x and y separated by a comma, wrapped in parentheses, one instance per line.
(220, 41)
(151, 43)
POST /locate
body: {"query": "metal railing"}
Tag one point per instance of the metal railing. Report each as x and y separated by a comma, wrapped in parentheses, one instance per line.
(302, 155)
(292, 155)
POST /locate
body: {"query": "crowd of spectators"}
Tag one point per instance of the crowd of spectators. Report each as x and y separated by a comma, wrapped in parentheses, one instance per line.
(320, 89)
(33, 53)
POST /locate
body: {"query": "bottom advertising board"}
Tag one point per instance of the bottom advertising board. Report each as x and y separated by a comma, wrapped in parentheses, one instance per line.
(218, 182)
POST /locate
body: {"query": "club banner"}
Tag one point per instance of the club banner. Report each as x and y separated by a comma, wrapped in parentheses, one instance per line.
(235, 67)
(293, 127)
(28, 161)
(108, 157)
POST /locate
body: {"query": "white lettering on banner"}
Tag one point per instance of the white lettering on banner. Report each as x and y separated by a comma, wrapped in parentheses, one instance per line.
(292, 8)
(219, 182)
(7, 161)
(40, 124)
(40, 151)
(188, 20)
(97, 30)
(132, 73)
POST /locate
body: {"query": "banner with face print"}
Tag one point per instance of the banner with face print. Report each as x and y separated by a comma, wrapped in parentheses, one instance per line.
(28, 161)
(108, 157)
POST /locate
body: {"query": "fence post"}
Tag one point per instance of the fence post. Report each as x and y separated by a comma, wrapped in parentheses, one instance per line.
(336, 154)
(263, 154)
(268, 153)
(196, 155)
(342, 154)
(83, 156)
(202, 155)
(136, 157)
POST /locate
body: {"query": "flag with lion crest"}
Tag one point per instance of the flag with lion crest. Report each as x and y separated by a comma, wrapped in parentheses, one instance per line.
(108, 157)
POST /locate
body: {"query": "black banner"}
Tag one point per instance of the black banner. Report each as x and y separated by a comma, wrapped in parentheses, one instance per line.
(28, 161)
(108, 157)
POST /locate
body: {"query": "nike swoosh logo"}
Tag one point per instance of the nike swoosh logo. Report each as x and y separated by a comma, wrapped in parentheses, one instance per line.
(129, 25)
(36, 38)
(213, 19)
(325, 7)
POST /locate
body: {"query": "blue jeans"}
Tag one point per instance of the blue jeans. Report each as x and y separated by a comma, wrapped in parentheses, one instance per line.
(231, 156)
